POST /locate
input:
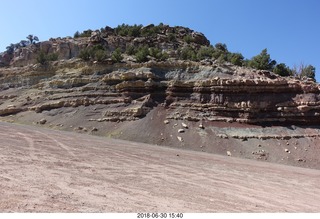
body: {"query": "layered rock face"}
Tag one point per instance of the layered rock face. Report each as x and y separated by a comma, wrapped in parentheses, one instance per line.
(188, 90)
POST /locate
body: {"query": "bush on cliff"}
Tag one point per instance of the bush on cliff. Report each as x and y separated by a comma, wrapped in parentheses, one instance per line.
(262, 61)
(44, 58)
(142, 54)
(117, 55)
(97, 53)
(158, 54)
(282, 70)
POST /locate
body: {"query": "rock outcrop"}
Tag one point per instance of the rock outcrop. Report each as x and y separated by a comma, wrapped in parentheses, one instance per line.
(69, 47)
(190, 91)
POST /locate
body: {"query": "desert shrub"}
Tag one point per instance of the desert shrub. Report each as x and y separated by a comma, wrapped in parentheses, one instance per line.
(100, 55)
(84, 54)
(303, 70)
(41, 58)
(127, 30)
(76, 34)
(188, 53)
(44, 58)
(282, 70)
(158, 54)
(235, 58)
(52, 56)
(308, 71)
(172, 37)
(262, 61)
(205, 52)
(188, 39)
(142, 54)
(131, 50)
(117, 55)
(96, 52)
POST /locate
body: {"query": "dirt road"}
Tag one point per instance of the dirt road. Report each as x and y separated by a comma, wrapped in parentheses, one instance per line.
(50, 171)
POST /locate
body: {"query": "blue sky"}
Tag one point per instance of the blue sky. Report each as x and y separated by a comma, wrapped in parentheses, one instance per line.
(289, 29)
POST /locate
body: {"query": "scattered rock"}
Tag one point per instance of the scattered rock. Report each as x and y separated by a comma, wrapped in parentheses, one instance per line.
(166, 121)
(94, 129)
(201, 126)
(184, 125)
(223, 136)
(286, 150)
(228, 153)
(181, 130)
(180, 138)
(42, 121)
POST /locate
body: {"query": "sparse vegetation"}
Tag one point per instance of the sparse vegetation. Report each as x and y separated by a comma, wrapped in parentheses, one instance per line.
(96, 53)
(158, 54)
(262, 61)
(131, 50)
(146, 47)
(117, 55)
(282, 70)
(188, 39)
(303, 70)
(44, 58)
(32, 39)
(86, 33)
(142, 54)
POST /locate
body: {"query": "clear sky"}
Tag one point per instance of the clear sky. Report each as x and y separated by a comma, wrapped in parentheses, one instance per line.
(289, 29)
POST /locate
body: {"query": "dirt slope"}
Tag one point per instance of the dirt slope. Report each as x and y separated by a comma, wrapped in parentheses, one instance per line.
(51, 171)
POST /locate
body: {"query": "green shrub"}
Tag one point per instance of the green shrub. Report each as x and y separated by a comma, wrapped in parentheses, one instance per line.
(52, 57)
(205, 52)
(172, 37)
(131, 50)
(84, 54)
(188, 53)
(188, 39)
(76, 34)
(127, 30)
(142, 54)
(282, 70)
(117, 55)
(262, 61)
(235, 58)
(158, 54)
(100, 55)
(44, 58)
(41, 58)
(303, 70)
(96, 52)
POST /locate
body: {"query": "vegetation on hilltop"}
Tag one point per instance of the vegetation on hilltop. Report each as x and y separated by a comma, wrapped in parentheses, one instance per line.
(184, 46)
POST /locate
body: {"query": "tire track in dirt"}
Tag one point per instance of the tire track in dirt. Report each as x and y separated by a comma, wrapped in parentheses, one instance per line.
(30, 142)
(58, 143)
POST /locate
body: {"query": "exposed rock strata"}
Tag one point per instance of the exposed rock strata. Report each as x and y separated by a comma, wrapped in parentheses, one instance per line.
(191, 91)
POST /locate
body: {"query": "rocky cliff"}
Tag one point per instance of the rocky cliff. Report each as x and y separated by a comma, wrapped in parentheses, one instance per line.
(192, 91)
(110, 98)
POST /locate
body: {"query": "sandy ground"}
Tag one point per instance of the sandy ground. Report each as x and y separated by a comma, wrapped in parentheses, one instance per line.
(51, 171)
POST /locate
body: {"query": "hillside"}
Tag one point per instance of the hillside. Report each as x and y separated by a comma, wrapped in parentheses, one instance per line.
(155, 86)
(52, 171)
